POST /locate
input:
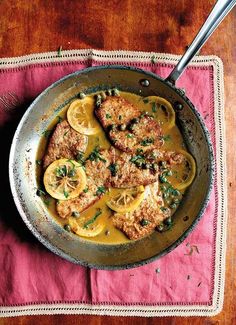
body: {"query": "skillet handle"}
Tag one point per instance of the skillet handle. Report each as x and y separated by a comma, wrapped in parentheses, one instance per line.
(218, 13)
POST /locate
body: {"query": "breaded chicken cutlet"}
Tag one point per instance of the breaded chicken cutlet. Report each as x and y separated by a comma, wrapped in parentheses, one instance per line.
(65, 142)
(143, 220)
(127, 127)
(106, 168)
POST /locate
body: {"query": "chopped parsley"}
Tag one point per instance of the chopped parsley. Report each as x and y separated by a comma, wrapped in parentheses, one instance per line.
(66, 194)
(39, 162)
(86, 224)
(95, 155)
(59, 51)
(120, 117)
(108, 116)
(59, 119)
(85, 190)
(100, 190)
(146, 101)
(129, 135)
(61, 171)
(147, 142)
(113, 169)
(80, 158)
(47, 133)
(166, 137)
(40, 192)
(144, 222)
(154, 107)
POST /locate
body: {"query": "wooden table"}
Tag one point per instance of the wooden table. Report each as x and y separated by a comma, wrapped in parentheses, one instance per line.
(155, 25)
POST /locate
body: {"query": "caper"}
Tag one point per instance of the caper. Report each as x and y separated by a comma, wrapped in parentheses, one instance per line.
(67, 227)
(155, 166)
(109, 92)
(176, 201)
(103, 95)
(138, 163)
(168, 221)
(71, 173)
(107, 232)
(135, 120)
(131, 127)
(111, 127)
(75, 214)
(122, 127)
(173, 206)
(162, 179)
(178, 106)
(115, 92)
(176, 192)
(98, 97)
(165, 195)
(81, 95)
(169, 173)
(160, 227)
(98, 103)
(144, 222)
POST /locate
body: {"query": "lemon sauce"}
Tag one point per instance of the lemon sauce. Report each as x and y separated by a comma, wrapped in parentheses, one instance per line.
(99, 214)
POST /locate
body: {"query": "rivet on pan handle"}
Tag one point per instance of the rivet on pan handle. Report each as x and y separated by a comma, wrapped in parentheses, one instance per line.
(218, 13)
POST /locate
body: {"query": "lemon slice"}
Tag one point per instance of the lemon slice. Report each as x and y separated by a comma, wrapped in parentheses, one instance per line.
(183, 174)
(64, 179)
(80, 116)
(163, 110)
(90, 228)
(125, 200)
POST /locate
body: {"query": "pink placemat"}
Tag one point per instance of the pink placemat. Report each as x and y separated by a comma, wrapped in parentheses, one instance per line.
(188, 281)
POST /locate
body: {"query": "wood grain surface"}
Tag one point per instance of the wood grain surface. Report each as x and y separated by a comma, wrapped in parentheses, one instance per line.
(155, 25)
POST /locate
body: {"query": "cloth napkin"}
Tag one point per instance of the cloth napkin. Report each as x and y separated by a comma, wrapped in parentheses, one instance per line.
(188, 281)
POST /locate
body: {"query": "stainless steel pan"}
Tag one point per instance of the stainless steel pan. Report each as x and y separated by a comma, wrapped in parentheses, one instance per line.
(43, 110)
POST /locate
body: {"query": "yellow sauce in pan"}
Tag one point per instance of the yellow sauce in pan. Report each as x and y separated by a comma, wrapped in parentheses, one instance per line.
(110, 235)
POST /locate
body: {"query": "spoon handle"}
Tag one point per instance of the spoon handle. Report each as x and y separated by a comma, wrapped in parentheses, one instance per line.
(218, 13)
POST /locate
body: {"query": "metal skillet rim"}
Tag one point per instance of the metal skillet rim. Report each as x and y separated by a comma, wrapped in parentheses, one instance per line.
(60, 252)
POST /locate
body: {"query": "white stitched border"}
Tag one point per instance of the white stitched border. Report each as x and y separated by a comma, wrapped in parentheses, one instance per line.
(148, 310)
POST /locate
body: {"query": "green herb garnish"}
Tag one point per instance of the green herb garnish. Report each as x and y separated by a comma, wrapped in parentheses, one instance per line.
(86, 189)
(66, 194)
(166, 137)
(144, 222)
(146, 101)
(147, 142)
(40, 192)
(61, 171)
(59, 119)
(113, 169)
(59, 51)
(95, 155)
(47, 133)
(108, 116)
(120, 117)
(86, 224)
(100, 190)
(80, 158)
(154, 107)
(129, 135)
(39, 162)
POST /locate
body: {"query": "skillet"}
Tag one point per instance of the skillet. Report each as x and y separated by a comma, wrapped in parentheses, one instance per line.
(43, 110)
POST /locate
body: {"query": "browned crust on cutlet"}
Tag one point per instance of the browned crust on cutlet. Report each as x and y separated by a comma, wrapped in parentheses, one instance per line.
(131, 223)
(65, 142)
(116, 110)
(146, 135)
(128, 174)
